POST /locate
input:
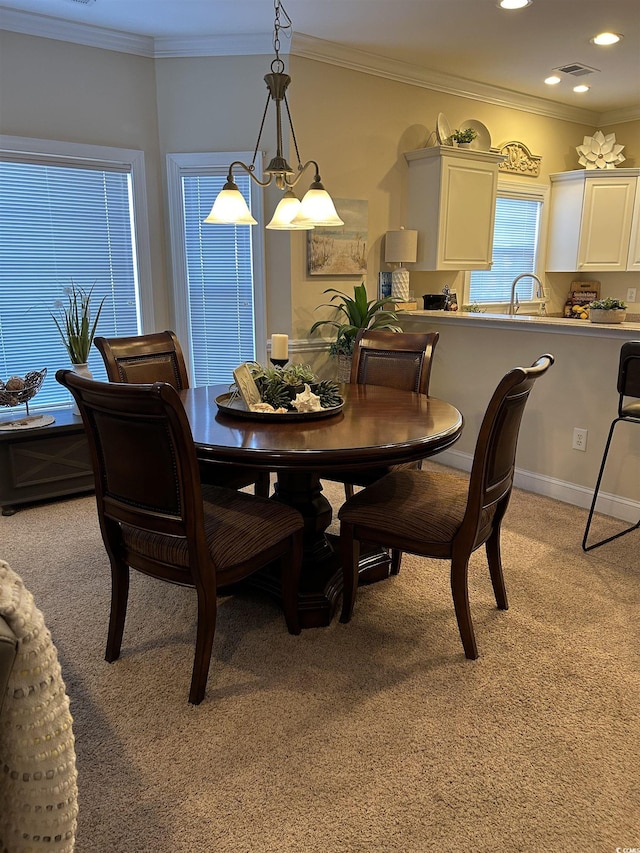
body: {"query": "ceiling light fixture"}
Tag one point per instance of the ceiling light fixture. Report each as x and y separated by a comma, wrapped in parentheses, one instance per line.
(514, 4)
(606, 38)
(553, 80)
(316, 207)
(581, 88)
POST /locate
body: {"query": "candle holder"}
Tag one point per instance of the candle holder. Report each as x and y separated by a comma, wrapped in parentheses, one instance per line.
(279, 362)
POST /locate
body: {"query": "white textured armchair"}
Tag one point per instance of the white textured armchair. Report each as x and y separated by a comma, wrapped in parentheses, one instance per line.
(38, 779)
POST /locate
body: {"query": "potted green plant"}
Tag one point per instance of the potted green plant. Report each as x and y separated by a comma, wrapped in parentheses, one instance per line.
(353, 313)
(74, 323)
(607, 311)
(463, 137)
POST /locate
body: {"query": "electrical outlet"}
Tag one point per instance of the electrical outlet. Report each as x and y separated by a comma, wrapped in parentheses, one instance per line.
(579, 438)
(631, 294)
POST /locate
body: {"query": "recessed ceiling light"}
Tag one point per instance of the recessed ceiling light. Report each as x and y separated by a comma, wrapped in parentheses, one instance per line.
(581, 88)
(606, 38)
(514, 4)
(551, 81)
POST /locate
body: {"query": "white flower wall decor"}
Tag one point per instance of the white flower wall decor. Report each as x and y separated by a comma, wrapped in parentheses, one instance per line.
(600, 151)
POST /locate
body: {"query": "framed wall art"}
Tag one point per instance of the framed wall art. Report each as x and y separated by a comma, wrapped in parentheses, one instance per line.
(340, 250)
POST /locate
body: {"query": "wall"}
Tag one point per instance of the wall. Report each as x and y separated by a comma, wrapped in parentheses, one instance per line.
(56, 90)
(578, 391)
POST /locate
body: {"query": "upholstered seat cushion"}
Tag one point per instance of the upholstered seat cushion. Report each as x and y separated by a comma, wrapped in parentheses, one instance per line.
(414, 504)
(237, 526)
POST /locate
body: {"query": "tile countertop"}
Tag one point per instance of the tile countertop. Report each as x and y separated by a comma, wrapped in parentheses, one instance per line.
(534, 323)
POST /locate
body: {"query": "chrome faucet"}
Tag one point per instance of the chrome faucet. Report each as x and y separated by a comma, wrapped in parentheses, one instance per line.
(514, 303)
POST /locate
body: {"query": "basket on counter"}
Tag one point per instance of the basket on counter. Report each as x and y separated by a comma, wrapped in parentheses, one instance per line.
(18, 390)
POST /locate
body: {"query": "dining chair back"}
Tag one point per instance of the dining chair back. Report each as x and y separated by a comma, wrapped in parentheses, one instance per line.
(158, 357)
(442, 515)
(628, 412)
(156, 518)
(142, 359)
(394, 359)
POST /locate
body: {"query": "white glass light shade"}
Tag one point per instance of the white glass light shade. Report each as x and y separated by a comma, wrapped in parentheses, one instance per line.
(285, 212)
(230, 208)
(401, 247)
(317, 208)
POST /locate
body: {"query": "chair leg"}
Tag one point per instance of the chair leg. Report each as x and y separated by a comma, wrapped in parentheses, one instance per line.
(350, 557)
(348, 490)
(494, 558)
(119, 598)
(396, 559)
(460, 592)
(290, 564)
(262, 487)
(586, 547)
(207, 611)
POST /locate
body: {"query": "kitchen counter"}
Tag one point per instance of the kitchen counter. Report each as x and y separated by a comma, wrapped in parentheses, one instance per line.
(534, 323)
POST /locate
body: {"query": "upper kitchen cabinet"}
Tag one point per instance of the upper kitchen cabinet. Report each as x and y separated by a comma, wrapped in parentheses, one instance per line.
(451, 202)
(594, 221)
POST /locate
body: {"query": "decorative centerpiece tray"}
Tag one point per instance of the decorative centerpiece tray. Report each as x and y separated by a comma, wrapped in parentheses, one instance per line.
(232, 404)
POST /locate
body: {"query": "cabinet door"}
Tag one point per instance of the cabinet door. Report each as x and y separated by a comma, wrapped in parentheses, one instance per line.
(606, 224)
(467, 214)
(633, 262)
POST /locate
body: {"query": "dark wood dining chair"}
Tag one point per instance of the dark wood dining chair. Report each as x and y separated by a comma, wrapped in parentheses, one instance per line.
(396, 360)
(157, 518)
(442, 515)
(628, 412)
(158, 357)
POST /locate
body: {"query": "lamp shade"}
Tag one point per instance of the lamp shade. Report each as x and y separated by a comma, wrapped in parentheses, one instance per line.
(287, 209)
(317, 207)
(401, 247)
(230, 208)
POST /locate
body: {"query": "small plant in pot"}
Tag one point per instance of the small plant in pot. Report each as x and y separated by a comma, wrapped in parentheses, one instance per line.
(607, 311)
(464, 136)
(352, 314)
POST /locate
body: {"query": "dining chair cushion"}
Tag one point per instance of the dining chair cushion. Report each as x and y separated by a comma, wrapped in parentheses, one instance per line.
(403, 502)
(231, 539)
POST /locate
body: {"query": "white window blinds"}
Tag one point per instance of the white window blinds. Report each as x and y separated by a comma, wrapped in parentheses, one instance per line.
(515, 248)
(219, 282)
(62, 223)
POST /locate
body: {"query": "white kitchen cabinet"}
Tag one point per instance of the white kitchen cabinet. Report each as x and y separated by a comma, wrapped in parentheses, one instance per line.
(451, 202)
(594, 221)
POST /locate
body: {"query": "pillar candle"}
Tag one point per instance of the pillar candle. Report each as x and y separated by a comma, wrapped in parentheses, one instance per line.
(280, 346)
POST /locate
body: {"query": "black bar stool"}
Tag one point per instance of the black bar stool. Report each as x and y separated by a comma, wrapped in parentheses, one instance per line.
(628, 386)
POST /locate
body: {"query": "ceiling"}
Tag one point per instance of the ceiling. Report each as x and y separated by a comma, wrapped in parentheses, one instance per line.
(470, 41)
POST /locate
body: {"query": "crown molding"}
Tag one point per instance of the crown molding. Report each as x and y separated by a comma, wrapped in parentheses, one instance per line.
(307, 47)
(392, 69)
(250, 44)
(33, 24)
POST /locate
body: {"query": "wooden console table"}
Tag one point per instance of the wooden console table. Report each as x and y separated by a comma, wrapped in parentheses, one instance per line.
(43, 463)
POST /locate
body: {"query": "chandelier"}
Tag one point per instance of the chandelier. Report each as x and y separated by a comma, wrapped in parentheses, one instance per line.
(291, 214)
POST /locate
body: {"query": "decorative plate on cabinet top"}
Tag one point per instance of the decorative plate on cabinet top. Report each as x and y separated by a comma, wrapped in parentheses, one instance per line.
(443, 131)
(482, 142)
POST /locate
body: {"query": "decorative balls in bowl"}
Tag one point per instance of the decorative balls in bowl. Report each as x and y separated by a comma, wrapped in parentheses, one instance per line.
(18, 390)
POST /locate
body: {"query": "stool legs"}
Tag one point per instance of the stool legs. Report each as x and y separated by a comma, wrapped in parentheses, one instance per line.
(586, 547)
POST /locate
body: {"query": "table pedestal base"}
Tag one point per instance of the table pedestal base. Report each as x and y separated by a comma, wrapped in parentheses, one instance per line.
(321, 575)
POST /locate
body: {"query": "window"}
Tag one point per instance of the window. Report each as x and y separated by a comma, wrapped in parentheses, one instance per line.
(217, 269)
(516, 243)
(67, 214)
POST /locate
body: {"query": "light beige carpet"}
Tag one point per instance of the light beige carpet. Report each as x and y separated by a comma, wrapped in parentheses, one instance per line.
(372, 736)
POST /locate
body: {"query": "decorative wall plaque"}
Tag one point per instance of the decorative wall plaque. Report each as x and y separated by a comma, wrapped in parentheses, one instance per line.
(519, 160)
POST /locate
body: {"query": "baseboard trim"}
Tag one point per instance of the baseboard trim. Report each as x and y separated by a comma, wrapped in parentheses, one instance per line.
(570, 493)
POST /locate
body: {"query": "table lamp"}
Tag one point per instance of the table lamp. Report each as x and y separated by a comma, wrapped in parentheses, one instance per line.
(401, 247)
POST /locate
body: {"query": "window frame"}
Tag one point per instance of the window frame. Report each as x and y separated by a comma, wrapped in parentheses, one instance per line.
(517, 190)
(181, 165)
(76, 154)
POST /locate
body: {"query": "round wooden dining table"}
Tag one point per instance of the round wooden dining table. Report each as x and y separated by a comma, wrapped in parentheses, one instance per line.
(377, 426)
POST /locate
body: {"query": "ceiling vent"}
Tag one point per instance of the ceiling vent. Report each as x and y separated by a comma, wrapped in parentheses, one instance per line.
(83, 2)
(576, 69)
